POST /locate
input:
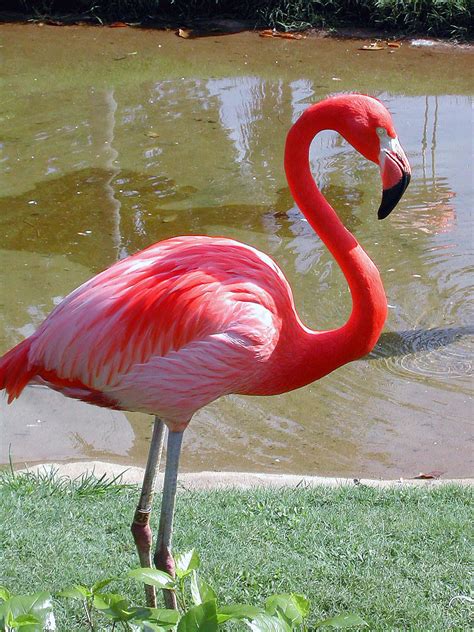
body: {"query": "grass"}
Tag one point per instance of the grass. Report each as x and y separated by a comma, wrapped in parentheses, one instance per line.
(450, 18)
(397, 557)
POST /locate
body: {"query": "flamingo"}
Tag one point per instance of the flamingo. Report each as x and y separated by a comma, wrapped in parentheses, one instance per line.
(192, 318)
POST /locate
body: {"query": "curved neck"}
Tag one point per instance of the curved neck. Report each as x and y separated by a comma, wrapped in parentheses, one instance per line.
(325, 351)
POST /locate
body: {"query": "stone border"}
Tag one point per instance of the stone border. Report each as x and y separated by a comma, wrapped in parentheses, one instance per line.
(228, 480)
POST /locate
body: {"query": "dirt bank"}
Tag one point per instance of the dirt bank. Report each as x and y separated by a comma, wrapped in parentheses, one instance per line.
(223, 480)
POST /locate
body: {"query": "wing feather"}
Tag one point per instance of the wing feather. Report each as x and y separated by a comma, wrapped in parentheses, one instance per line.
(157, 302)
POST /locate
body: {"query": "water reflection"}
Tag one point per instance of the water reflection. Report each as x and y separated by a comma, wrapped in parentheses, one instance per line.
(91, 174)
(113, 169)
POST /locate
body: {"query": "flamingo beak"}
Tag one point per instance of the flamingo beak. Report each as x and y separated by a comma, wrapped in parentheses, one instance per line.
(396, 173)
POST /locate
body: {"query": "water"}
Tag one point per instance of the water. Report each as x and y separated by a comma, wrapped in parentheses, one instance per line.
(113, 139)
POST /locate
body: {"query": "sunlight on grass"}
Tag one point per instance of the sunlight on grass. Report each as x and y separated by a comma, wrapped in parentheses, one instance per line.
(399, 558)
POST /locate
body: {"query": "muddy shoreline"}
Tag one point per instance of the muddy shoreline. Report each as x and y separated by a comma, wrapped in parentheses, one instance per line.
(202, 27)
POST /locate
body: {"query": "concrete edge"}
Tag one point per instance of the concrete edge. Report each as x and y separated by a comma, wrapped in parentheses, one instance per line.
(227, 480)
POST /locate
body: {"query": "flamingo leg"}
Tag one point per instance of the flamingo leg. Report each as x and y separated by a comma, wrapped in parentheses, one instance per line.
(163, 558)
(140, 526)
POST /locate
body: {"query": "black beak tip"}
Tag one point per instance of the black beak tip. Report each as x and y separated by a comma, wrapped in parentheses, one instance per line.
(384, 211)
(391, 197)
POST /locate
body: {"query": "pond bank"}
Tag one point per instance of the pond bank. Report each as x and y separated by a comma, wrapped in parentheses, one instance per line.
(375, 37)
(448, 19)
(230, 480)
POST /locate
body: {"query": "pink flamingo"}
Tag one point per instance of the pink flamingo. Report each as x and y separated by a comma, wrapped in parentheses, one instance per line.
(189, 319)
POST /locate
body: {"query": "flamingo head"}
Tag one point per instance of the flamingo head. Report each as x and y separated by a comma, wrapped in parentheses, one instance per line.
(394, 169)
(372, 133)
(370, 130)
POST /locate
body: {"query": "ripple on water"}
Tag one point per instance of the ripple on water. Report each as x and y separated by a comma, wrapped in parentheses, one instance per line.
(438, 353)
(435, 353)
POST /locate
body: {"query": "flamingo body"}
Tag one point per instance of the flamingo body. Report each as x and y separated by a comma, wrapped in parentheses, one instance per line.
(164, 331)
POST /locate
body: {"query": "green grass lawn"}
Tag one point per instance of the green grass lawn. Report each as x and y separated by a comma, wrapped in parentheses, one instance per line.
(397, 557)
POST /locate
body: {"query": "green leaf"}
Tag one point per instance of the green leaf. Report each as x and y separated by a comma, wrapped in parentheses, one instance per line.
(266, 623)
(27, 618)
(206, 591)
(26, 612)
(147, 626)
(202, 618)
(39, 605)
(302, 604)
(237, 612)
(76, 592)
(185, 563)
(9, 619)
(3, 614)
(153, 577)
(195, 592)
(292, 607)
(159, 616)
(342, 621)
(113, 605)
(27, 623)
(97, 587)
(200, 591)
(4, 594)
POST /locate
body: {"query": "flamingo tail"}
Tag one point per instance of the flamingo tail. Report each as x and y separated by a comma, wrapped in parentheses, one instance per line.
(14, 370)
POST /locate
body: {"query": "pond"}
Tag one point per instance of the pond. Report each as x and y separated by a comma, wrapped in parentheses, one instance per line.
(113, 139)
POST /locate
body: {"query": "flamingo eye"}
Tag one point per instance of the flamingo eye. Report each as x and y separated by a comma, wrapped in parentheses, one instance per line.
(381, 132)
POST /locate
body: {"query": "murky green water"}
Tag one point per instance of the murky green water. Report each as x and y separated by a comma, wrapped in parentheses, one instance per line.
(112, 139)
